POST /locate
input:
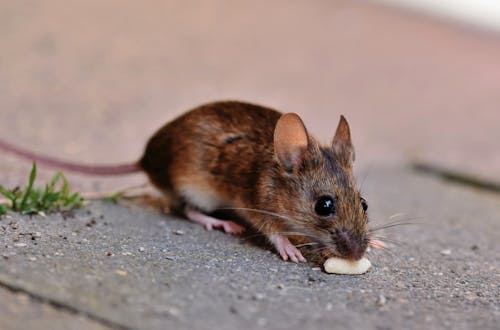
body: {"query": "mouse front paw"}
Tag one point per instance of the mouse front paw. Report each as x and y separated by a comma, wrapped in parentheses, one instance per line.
(286, 249)
(376, 244)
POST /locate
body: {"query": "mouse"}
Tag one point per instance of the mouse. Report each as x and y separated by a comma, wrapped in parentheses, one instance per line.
(261, 164)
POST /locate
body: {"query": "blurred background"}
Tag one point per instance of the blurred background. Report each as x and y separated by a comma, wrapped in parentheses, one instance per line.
(91, 80)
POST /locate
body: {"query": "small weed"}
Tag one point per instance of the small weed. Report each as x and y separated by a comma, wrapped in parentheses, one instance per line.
(126, 192)
(56, 196)
(113, 198)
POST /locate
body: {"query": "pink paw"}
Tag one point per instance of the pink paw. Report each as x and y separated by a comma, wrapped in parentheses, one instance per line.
(229, 227)
(286, 249)
(210, 222)
(377, 244)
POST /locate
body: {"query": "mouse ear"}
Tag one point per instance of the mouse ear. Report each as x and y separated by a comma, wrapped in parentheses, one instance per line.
(341, 144)
(290, 140)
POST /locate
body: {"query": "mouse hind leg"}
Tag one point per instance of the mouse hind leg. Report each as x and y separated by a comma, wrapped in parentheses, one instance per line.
(199, 197)
(210, 223)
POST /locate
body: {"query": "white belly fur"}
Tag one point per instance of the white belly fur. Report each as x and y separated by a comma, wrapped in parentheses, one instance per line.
(203, 198)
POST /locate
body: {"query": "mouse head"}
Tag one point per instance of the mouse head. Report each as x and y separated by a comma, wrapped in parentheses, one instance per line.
(322, 200)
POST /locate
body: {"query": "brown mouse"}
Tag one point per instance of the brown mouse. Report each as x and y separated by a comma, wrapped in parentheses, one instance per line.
(265, 167)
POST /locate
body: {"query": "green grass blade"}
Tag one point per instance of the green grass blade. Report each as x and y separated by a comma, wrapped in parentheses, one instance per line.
(7, 193)
(114, 197)
(65, 187)
(54, 196)
(54, 180)
(29, 187)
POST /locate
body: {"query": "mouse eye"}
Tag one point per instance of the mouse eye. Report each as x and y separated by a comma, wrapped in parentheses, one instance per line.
(364, 204)
(325, 206)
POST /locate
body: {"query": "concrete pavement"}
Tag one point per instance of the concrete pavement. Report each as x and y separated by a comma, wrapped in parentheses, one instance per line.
(92, 81)
(129, 267)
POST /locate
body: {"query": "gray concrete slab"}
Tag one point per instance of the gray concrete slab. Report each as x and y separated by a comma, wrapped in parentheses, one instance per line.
(141, 269)
(20, 311)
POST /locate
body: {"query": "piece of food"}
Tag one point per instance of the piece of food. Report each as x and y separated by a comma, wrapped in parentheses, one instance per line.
(348, 267)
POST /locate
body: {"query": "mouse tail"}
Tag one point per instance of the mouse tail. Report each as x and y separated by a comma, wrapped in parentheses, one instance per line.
(70, 166)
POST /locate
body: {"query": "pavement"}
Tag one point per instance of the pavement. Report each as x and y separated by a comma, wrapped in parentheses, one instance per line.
(90, 82)
(127, 267)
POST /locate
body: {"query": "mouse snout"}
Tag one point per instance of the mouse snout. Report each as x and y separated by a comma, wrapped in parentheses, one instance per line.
(348, 246)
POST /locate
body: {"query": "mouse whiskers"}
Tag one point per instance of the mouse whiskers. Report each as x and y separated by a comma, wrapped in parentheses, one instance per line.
(296, 233)
(273, 214)
(382, 251)
(386, 243)
(318, 250)
(385, 239)
(306, 244)
(395, 215)
(396, 223)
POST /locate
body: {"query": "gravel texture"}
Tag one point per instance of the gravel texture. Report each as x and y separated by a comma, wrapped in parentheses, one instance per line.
(130, 267)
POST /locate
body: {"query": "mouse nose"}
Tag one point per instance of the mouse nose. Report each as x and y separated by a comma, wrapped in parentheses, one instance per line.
(349, 246)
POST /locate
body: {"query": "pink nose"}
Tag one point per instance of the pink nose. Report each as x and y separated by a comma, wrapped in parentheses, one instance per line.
(348, 246)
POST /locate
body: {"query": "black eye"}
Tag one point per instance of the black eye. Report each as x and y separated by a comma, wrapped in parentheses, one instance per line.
(325, 206)
(364, 204)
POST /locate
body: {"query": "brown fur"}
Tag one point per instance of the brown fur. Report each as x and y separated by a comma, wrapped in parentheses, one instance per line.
(223, 155)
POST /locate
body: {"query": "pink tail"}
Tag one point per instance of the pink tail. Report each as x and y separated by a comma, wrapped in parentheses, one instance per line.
(80, 168)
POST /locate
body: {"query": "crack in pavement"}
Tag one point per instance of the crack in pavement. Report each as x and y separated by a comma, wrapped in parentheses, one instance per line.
(465, 179)
(64, 307)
